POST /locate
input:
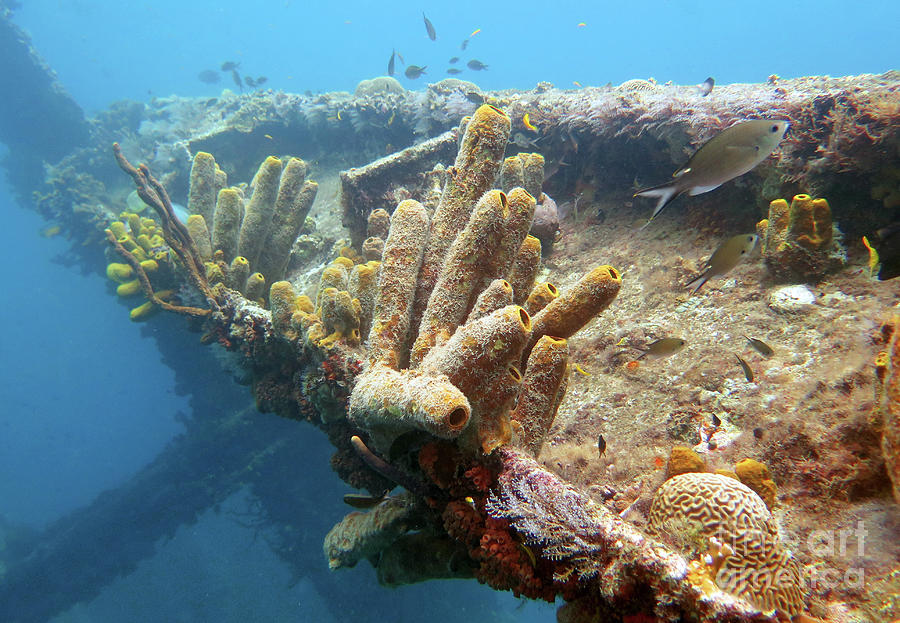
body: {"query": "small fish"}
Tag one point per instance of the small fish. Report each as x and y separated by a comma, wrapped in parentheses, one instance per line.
(527, 122)
(759, 346)
(261, 80)
(361, 500)
(429, 28)
(727, 256)
(706, 86)
(519, 139)
(250, 82)
(581, 370)
(208, 76)
(622, 342)
(414, 71)
(758, 433)
(601, 445)
(464, 44)
(476, 65)
(391, 118)
(662, 347)
(237, 79)
(576, 83)
(471, 502)
(748, 373)
(454, 71)
(581, 24)
(454, 60)
(716, 421)
(873, 256)
(339, 118)
(474, 32)
(391, 63)
(230, 66)
(268, 136)
(475, 97)
(727, 155)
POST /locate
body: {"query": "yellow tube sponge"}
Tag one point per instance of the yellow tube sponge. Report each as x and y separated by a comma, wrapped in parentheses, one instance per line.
(362, 286)
(196, 226)
(379, 223)
(142, 312)
(462, 272)
(568, 313)
(387, 399)
(259, 210)
(227, 222)
(473, 173)
(514, 230)
(512, 174)
(495, 296)
(256, 286)
(129, 288)
(544, 375)
(533, 173)
(524, 269)
(340, 315)
(283, 304)
(202, 189)
(295, 198)
(540, 296)
(756, 476)
(336, 275)
(481, 348)
(238, 271)
(118, 272)
(798, 239)
(397, 284)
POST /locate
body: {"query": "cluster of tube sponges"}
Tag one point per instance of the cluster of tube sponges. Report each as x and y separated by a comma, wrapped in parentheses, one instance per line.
(447, 335)
(798, 240)
(142, 237)
(246, 243)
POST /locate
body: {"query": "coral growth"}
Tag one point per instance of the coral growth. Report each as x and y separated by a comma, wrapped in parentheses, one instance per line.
(798, 240)
(887, 408)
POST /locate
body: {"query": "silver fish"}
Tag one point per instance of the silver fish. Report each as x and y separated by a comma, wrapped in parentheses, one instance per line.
(748, 372)
(706, 86)
(414, 71)
(429, 28)
(391, 62)
(662, 347)
(761, 347)
(727, 155)
(727, 256)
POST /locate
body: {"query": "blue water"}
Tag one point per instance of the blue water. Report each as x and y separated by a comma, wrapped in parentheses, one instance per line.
(110, 50)
(87, 400)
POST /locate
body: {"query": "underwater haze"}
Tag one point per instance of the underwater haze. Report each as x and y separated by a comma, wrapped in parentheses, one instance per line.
(89, 398)
(104, 51)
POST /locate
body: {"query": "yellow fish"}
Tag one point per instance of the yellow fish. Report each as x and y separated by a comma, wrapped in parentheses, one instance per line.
(576, 83)
(528, 123)
(339, 118)
(581, 24)
(268, 136)
(475, 32)
(581, 370)
(873, 256)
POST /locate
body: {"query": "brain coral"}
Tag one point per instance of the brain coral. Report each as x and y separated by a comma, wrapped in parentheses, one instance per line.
(760, 570)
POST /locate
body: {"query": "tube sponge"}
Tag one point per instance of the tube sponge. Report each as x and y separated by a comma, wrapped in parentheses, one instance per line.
(227, 222)
(202, 190)
(397, 283)
(544, 376)
(473, 173)
(393, 400)
(362, 286)
(462, 272)
(118, 272)
(238, 271)
(568, 313)
(282, 302)
(295, 198)
(258, 214)
(497, 295)
(256, 286)
(524, 269)
(196, 226)
(540, 296)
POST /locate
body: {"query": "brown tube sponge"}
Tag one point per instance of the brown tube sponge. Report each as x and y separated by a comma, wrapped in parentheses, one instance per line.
(202, 189)
(477, 163)
(397, 283)
(462, 273)
(544, 375)
(227, 222)
(525, 268)
(385, 399)
(258, 215)
(495, 296)
(568, 313)
(362, 286)
(196, 226)
(541, 295)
